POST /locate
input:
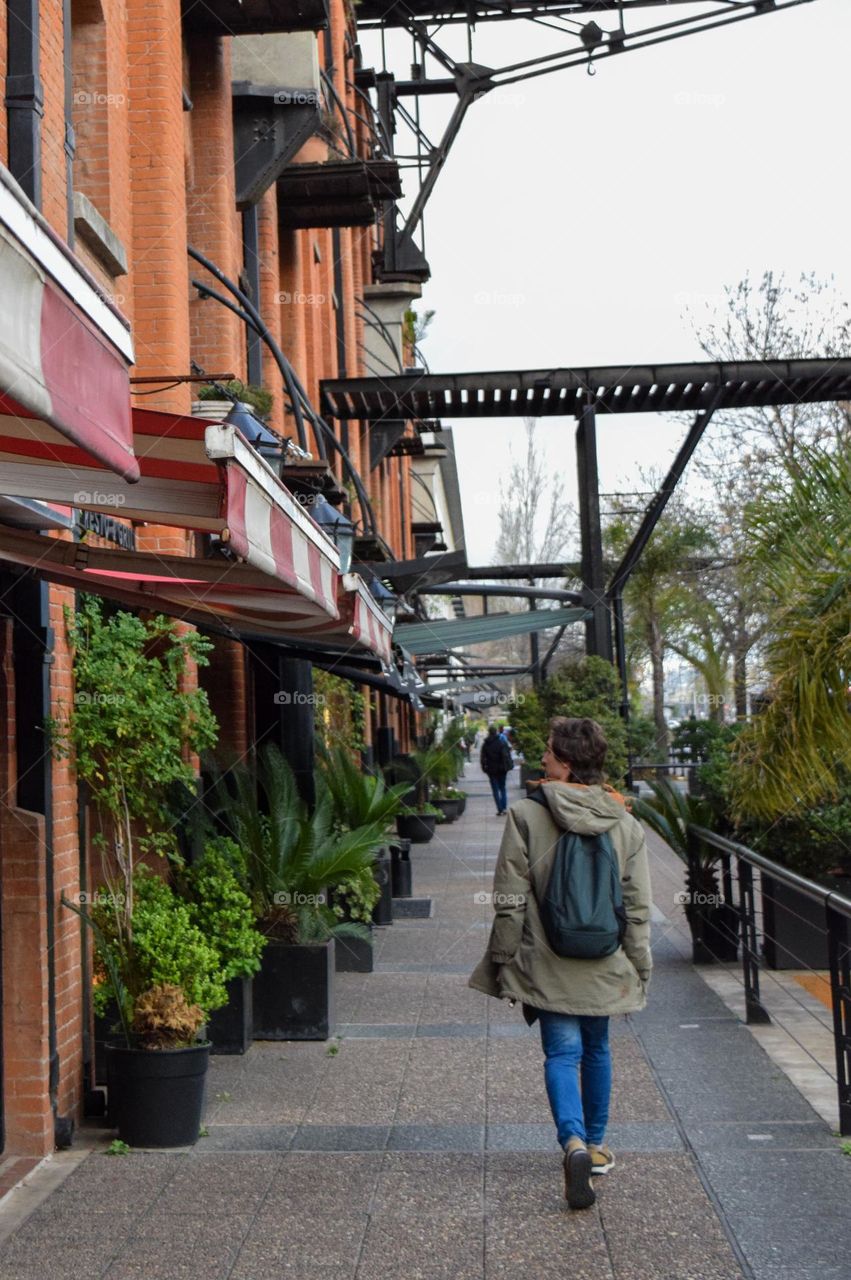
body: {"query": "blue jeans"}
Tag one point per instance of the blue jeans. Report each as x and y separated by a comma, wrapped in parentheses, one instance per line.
(577, 1048)
(497, 781)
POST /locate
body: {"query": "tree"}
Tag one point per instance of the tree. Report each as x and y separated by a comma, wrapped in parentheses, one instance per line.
(776, 320)
(746, 453)
(659, 607)
(797, 751)
(536, 525)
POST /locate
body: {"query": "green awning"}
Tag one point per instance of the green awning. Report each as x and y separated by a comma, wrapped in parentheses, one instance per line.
(453, 633)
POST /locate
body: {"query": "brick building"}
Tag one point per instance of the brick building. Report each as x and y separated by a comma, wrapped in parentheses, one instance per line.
(133, 133)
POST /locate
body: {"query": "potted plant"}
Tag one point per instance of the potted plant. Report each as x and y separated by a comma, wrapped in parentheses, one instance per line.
(363, 799)
(212, 890)
(355, 899)
(294, 860)
(714, 924)
(212, 403)
(131, 730)
(431, 770)
(417, 824)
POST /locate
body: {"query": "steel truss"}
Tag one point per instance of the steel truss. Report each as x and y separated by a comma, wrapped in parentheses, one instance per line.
(589, 32)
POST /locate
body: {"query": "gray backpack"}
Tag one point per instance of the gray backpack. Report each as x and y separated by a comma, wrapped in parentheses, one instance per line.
(582, 910)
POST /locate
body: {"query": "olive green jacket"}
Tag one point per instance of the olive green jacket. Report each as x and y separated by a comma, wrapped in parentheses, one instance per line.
(519, 963)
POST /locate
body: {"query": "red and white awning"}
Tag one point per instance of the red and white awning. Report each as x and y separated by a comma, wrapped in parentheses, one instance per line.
(208, 592)
(65, 350)
(194, 475)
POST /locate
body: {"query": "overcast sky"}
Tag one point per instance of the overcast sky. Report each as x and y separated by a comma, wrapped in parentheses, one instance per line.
(579, 219)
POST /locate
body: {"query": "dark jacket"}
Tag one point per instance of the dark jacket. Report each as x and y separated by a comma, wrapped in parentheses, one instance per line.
(496, 755)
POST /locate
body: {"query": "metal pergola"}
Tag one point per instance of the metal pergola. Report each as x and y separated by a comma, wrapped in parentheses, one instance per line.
(580, 34)
(702, 388)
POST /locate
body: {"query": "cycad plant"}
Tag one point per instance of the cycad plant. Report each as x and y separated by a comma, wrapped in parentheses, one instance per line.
(293, 857)
(796, 751)
(359, 799)
(670, 813)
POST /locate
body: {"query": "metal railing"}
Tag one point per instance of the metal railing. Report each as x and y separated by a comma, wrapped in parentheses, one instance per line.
(743, 925)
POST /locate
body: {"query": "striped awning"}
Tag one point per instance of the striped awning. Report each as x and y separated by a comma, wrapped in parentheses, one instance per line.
(216, 592)
(65, 349)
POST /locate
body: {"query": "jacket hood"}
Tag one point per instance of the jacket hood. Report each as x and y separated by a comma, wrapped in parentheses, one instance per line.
(586, 810)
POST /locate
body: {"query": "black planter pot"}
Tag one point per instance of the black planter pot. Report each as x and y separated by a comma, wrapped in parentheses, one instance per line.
(231, 1029)
(449, 809)
(401, 879)
(794, 928)
(714, 934)
(156, 1097)
(462, 804)
(294, 992)
(354, 955)
(416, 827)
(382, 912)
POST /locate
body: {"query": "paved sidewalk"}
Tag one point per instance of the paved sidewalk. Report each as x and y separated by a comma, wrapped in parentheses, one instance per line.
(423, 1147)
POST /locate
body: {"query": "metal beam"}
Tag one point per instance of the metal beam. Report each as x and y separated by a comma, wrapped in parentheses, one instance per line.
(488, 589)
(565, 569)
(598, 636)
(661, 499)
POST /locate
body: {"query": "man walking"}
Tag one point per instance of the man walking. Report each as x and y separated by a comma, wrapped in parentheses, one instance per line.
(572, 993)
(496, 762)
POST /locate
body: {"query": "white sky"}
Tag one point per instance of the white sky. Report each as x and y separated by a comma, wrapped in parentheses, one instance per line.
(578, 218)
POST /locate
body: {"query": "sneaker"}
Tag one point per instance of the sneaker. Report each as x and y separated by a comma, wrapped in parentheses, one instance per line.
(602, 1159)
(577, 1175)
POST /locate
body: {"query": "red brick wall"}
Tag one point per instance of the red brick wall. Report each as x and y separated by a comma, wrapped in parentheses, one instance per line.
(159, 272)
(28, 1117)
(217, 335)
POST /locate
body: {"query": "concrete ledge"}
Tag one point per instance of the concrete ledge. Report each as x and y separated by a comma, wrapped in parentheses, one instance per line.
(412, 908)
(94, 230)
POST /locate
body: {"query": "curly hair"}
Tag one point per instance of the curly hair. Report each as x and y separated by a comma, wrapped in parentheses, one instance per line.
(581, 744)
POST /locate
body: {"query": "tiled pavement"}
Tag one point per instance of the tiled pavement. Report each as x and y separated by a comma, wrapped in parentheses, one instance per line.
(423, 1148)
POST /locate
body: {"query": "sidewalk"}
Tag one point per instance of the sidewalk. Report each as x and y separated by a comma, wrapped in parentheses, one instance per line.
(423, 1147)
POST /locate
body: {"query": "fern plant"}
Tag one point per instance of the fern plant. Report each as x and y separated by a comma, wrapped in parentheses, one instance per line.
(359, 799)
(293, 857)
(670, 814)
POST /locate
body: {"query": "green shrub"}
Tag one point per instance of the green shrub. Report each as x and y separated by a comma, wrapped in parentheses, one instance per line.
(167, 948)
(222, 910)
